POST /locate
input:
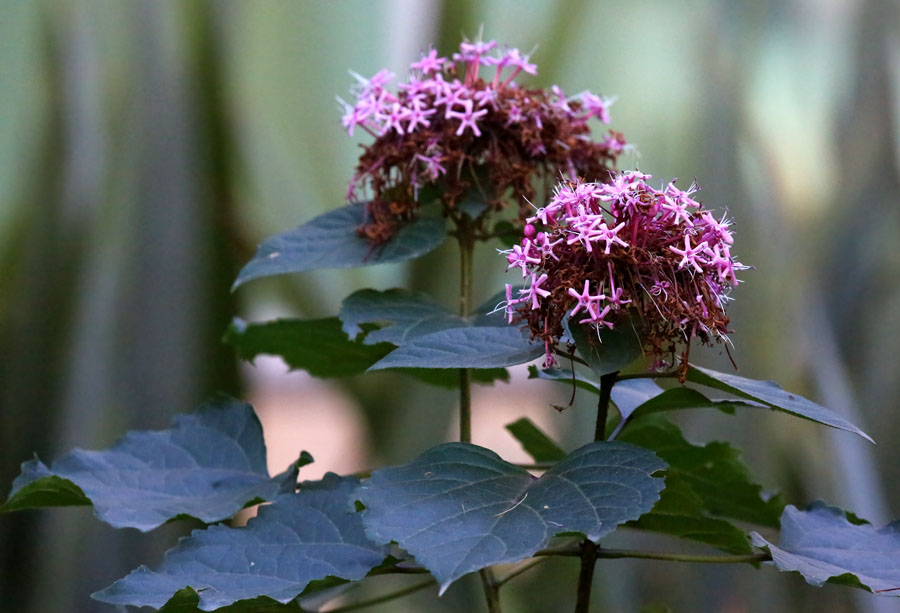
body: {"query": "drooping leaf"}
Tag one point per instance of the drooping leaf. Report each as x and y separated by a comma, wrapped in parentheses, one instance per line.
(331, 241)
(824, 546)
(772, 395)
(208, 465)
(535, 441)
(714, 472)
(318, 346)
(298, 539)
(469, 347)
(612, 350)
(459, 508)
(405, 315)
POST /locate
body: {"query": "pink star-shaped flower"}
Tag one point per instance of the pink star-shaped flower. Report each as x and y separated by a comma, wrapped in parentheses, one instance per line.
(467, 118)
(690, 255)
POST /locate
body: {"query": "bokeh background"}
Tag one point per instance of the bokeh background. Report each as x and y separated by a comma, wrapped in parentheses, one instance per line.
(146, 147)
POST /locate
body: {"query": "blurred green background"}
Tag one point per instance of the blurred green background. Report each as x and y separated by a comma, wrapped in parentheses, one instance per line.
(147, 146)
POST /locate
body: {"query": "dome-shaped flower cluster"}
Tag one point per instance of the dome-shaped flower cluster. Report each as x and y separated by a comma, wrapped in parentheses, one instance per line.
(600, 253)
(448, 128)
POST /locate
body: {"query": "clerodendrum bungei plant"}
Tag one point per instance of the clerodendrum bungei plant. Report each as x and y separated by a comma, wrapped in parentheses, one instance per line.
(612, 281)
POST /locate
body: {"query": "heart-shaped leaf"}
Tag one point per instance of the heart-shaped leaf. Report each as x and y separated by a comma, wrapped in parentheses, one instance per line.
(298, 539)
(331, 241)
(208, 465)
(824, 546)
(459, 508)
(772, 395)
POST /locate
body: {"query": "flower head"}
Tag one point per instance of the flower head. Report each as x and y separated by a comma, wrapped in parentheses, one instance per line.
(624, 249)
(491, 135)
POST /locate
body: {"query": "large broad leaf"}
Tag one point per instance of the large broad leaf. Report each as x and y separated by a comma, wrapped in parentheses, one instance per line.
(208, 465)
(318, 346)
(824, 546)
(773, 396)
(298, 539)
(459, 508)
(331, 241)
(609, 351)
(714, 472)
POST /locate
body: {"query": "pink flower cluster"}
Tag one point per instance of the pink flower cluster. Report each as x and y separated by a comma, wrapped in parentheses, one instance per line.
(462, 125)
(434, 90)
(598, 250)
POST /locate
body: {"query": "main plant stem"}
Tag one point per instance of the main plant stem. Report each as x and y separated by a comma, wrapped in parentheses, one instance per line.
(466, 239)
(588, 547)
(466, 247)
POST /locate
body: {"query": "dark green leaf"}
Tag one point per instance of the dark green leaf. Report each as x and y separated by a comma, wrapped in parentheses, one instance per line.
(188, 601)
(682, 398)
(299, 538)
(507, 233)
(714, 472)
(612, 350)
(331, 241)
(318, 346)
(771, 395)
(208, 465)
(458, 507)
(680, 513)
(823, 546)
(471, 347)
(535, 442)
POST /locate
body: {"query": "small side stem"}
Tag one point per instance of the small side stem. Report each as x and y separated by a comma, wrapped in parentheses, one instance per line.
(491, 590)
(386, 598)
(589, 549)
(649, 375)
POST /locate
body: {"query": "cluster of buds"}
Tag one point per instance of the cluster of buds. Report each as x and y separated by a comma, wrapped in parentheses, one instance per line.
(451, 129)
(599, 253)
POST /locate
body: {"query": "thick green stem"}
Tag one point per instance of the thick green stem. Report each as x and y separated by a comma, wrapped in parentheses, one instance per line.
(466, 238)
(589, 549)
(606, 385)
(466, 247)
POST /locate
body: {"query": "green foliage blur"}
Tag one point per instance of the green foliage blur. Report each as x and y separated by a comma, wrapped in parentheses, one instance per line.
(146, 147)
